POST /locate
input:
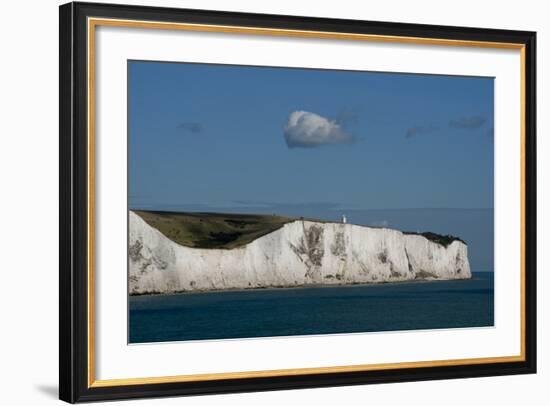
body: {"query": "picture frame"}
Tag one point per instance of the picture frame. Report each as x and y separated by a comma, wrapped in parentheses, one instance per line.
(78, 381)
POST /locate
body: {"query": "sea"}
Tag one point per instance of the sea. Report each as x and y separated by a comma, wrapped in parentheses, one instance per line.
(401, 306)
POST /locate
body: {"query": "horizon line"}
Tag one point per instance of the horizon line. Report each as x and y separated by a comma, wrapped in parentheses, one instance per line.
(206, 208)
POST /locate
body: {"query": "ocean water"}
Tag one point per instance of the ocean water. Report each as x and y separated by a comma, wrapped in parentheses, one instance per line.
(313, 310)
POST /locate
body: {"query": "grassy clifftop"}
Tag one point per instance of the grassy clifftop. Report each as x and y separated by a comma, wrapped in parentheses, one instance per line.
(232, 230)
(212, 230)
(444, 240)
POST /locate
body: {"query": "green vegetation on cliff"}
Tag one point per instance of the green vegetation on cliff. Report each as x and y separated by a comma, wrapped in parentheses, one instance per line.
(233, 230)
(213, 230)
(440, 239)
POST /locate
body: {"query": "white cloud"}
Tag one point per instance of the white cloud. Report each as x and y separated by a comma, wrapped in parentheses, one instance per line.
(308, 130)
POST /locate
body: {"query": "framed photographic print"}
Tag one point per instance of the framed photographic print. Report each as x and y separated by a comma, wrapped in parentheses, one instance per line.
(257, 202)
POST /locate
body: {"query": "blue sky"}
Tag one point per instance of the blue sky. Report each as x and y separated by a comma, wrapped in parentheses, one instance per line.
(215, 135)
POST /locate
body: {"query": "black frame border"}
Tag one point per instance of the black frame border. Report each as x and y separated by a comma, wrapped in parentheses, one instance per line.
(73, 195)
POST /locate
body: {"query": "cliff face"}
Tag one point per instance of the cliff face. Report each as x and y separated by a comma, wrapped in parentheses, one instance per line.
(300, 253)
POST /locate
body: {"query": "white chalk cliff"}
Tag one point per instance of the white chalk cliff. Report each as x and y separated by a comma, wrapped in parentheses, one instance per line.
(300, 253)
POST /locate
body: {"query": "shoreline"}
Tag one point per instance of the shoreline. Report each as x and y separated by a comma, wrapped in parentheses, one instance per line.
(315, 286)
